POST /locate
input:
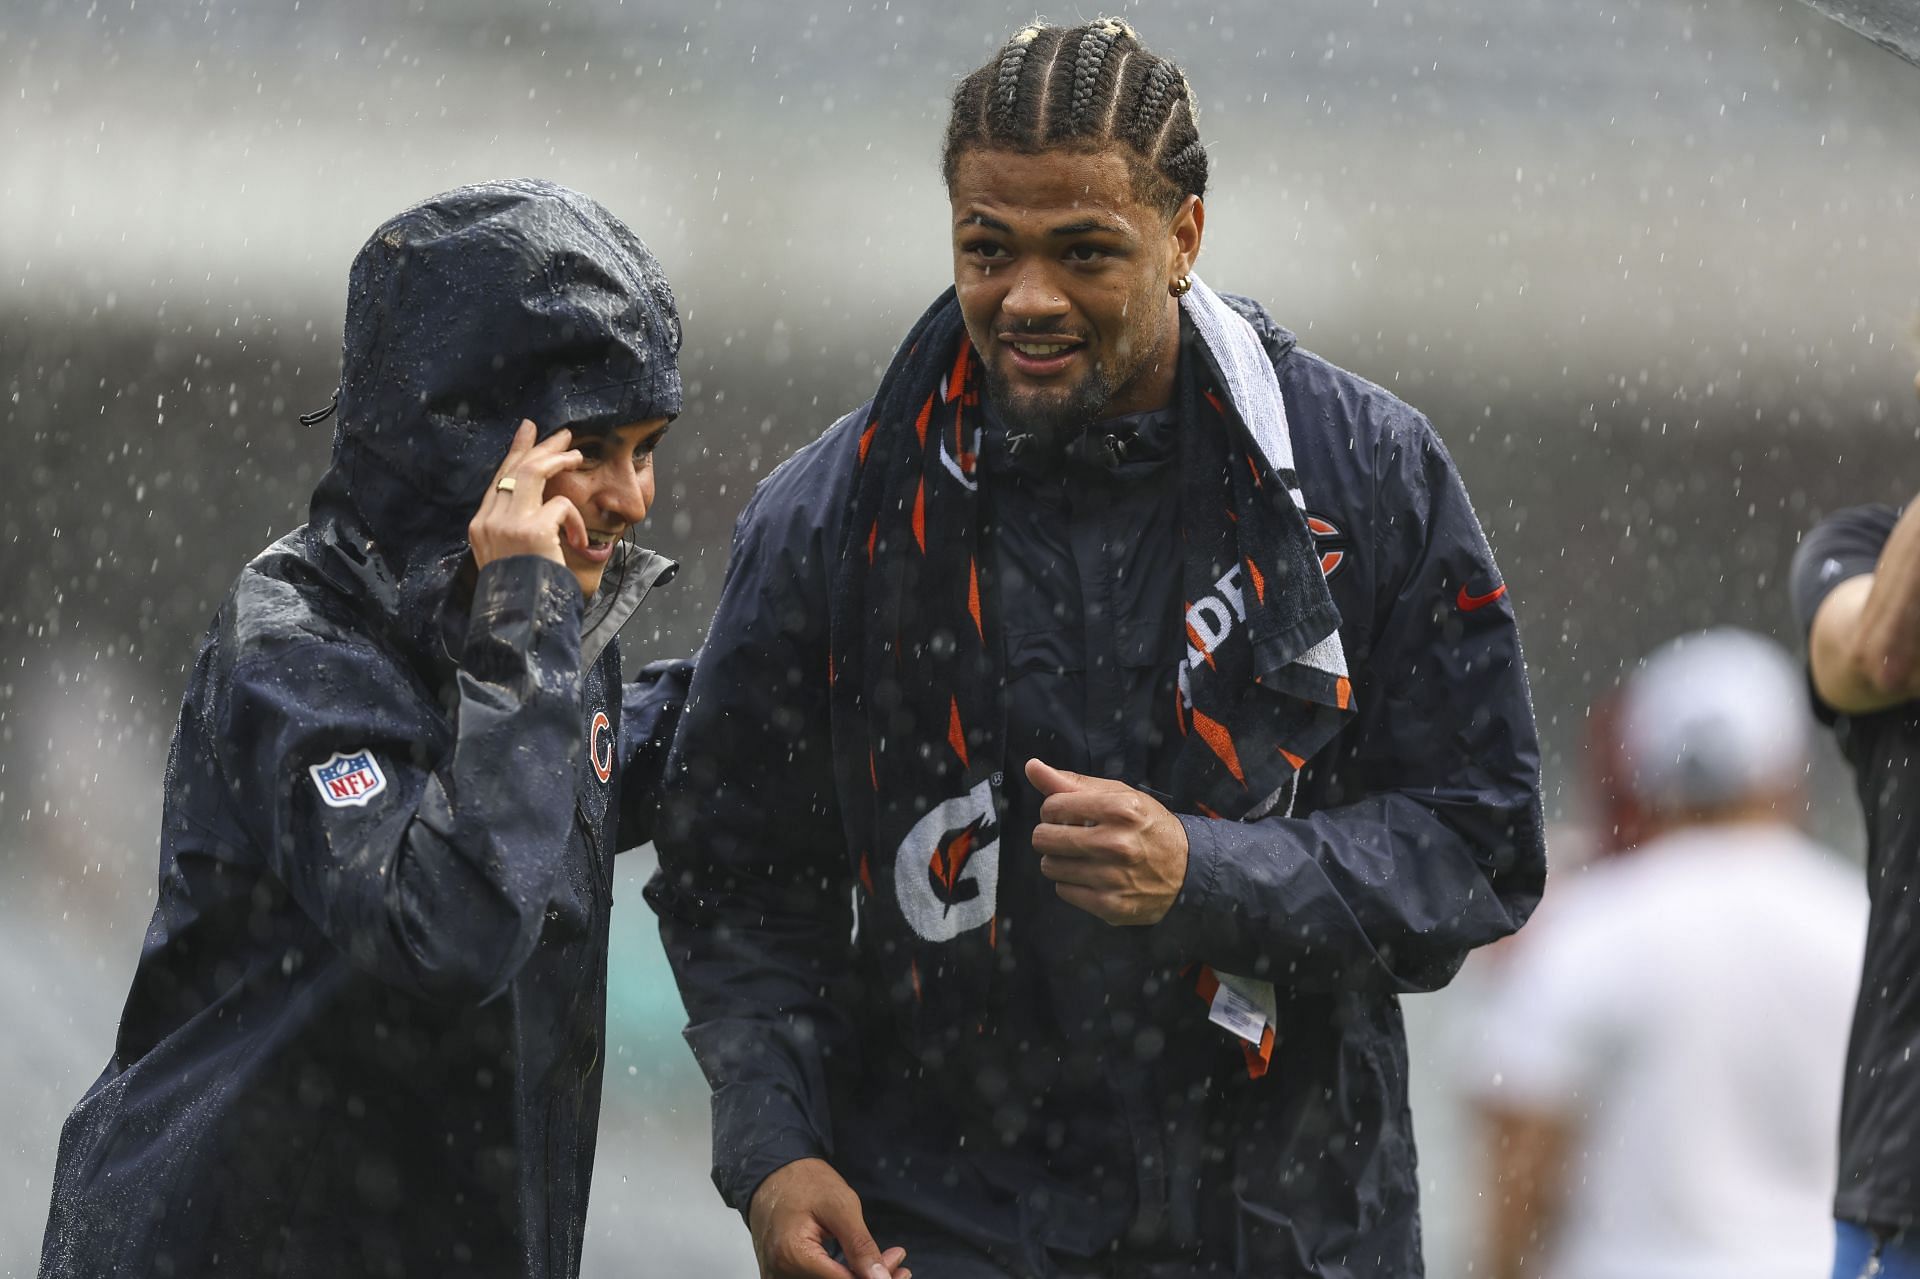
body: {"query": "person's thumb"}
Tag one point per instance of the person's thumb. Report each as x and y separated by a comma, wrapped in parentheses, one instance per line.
(1049, 780)
(849, 1227)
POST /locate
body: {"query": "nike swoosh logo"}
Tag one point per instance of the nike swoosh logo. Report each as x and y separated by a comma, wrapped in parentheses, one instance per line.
(1468, 603)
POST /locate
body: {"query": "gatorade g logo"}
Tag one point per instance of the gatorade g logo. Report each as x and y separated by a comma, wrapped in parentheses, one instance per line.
(947, 872)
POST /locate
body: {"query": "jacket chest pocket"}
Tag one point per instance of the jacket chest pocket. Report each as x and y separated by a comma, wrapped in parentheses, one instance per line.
(1132, 645)
(593, 798)
(1058, 650)
(590, 818)
(1150, 653)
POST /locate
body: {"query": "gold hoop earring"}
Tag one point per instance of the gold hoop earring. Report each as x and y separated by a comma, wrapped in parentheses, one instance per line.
(1180, 286)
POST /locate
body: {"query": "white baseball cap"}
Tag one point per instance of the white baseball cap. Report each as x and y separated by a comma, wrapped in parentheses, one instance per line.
(1712, 718)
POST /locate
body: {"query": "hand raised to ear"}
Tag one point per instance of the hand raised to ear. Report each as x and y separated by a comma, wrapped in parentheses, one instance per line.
(515, 516)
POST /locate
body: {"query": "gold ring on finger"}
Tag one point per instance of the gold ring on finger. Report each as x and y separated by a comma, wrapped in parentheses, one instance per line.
(506, 484)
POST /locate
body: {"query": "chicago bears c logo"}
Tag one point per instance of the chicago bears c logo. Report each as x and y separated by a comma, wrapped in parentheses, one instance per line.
(947, 872)
(602, 732)
(1329, 541)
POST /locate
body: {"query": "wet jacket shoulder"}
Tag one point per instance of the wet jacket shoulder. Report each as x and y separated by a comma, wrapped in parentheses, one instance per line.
(430, 882)
(1417, 833)
(801, 506)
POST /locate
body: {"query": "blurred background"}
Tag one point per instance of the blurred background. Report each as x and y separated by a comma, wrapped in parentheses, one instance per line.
(1652, 268)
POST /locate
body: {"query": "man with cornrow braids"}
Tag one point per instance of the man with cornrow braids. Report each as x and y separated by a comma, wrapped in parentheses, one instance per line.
(1100, 730)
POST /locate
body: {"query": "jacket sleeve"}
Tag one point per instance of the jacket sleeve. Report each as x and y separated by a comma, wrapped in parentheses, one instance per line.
(433, 874)
(650, 706)
(1429, 840)
(1845, 545)
(753, 891)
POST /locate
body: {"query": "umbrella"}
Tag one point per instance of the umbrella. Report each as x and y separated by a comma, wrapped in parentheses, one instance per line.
(1894, 25)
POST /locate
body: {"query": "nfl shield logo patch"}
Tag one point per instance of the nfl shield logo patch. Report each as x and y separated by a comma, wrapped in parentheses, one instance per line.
(348, 778)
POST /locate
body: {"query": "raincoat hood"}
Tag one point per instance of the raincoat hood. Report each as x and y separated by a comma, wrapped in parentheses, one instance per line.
(465, 314)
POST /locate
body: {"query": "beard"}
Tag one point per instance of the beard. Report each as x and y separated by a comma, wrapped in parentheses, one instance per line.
(1052, 416)
(1056, 416)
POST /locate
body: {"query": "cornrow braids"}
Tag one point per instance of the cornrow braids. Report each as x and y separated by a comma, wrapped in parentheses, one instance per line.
(1084, 88)
(1154, 106)
(1089, 66)
(1002, 106)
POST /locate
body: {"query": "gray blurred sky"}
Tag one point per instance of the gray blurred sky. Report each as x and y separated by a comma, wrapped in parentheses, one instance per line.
(1699, 186)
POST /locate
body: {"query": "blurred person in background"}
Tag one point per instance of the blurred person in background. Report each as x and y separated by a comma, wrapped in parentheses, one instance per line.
(1856, 593)
(1662, 1050)
(1620, 824)
(1040, 882)
(365, 1033)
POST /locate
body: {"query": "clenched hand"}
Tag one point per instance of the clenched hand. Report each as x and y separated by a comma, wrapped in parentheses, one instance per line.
(1113, 851)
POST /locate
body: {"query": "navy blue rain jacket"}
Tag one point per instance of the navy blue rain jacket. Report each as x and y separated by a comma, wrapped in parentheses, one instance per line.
(365, 1034)
(1092, 1118)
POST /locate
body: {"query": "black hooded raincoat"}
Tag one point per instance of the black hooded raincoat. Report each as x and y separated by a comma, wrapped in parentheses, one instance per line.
(365, 1034)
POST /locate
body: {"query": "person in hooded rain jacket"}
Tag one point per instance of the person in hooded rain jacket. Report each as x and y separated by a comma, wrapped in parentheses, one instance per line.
(1098, 732)
(366, 1031)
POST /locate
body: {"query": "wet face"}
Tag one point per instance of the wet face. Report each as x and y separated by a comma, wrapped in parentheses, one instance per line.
(612, 488)
(1062, 272)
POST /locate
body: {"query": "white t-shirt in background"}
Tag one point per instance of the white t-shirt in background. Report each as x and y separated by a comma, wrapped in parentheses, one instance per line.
(1687, 1008)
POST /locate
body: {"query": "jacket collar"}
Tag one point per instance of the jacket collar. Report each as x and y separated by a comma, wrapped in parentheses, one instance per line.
(1129, 445)
(633, 572)
(631, 575)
